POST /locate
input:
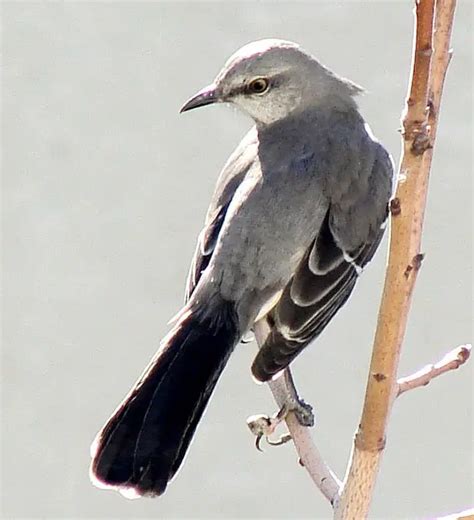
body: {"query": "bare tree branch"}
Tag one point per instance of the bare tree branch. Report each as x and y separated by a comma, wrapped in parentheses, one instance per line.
(451, 361)
(405, 257)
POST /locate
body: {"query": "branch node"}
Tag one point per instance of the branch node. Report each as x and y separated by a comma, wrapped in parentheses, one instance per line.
(379, 377)
(361, 443)
(416, 262)
(431, 110)
(395, 207)
(426, 51)
(463, 354)
(421, 140)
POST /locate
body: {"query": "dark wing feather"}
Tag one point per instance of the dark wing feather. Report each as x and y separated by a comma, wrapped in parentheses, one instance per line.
(229, 180)
(205, 247)
(328, 272)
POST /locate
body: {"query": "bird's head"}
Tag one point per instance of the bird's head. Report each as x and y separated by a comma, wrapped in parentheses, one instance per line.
(271, 79)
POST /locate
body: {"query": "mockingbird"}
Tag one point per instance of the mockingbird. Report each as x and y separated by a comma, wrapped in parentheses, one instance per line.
(298, 211)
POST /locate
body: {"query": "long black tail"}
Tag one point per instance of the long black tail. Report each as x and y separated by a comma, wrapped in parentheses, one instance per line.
(143, 444)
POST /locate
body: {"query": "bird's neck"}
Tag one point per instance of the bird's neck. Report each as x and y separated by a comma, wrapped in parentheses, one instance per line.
(313, 115)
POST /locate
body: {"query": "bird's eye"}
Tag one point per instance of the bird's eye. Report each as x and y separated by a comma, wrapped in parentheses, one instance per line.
(258, 85)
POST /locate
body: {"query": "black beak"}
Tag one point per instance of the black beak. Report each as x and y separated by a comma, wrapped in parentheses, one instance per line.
(204, 97)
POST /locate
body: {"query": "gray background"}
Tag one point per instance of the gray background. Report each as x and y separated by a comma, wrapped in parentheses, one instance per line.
(105, 188)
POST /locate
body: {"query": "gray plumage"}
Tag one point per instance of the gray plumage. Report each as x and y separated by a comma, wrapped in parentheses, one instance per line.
(298, 211)
(299, 207)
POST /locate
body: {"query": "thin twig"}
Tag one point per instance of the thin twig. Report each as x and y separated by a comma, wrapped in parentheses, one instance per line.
(310, 458)
(404, 257)
(468, 514)
(451, 361)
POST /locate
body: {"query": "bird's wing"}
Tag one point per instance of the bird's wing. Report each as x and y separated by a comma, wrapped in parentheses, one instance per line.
(347, 240)
(229, 180)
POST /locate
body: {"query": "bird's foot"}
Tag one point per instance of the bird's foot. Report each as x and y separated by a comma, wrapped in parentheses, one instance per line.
(263, 426)
(303, 411)
(293, 402)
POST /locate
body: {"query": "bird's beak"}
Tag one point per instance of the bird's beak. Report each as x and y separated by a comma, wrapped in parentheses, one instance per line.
(204, 97)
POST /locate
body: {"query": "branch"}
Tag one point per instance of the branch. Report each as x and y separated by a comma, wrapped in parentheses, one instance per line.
(420, 120)
(404, 256)
(468, 514)
(310, 458)
(451, 361)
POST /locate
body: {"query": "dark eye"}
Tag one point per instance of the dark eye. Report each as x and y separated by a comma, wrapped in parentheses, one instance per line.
(258, 85)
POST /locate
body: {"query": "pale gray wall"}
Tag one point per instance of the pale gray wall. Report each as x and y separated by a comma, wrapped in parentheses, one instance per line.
(105, 188)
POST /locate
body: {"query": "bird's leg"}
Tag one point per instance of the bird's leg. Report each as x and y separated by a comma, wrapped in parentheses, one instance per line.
(264, 426)
(293, 403)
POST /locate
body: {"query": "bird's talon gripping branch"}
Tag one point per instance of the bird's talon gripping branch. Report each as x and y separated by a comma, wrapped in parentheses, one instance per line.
(283, 412)
(304, 413)
(261, 426)
(283, 439)
(293, 403)
(264, 426)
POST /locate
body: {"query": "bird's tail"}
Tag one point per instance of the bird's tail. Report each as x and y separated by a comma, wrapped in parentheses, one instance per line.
(143, 444)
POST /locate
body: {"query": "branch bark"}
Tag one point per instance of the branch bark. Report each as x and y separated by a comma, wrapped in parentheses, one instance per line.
(405, 258)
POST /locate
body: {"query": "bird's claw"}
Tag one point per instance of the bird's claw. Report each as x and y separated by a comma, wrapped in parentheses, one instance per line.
(283, 439)
(264, 426)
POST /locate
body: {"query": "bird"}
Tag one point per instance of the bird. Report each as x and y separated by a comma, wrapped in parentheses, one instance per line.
(298, 210)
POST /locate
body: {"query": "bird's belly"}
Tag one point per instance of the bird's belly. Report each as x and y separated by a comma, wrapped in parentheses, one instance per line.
(264, 240)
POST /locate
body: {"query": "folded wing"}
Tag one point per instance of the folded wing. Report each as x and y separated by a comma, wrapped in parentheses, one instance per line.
(229, 180)
(345, 243)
